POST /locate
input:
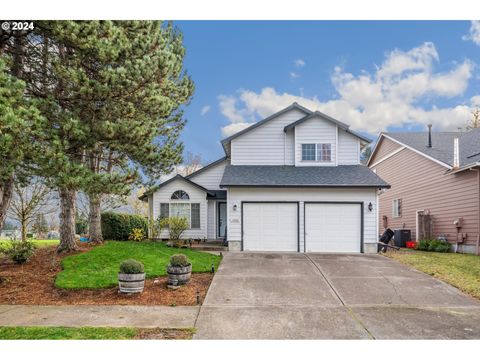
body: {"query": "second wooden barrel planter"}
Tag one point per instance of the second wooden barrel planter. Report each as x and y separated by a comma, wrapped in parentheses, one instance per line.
(179, 270)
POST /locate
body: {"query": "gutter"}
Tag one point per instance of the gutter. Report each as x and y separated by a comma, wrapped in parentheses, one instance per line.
(466, 167)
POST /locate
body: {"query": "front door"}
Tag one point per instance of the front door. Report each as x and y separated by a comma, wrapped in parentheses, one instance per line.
(222, 219)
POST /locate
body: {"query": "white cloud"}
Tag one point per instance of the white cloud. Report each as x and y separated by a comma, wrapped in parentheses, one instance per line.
(234, 128)
(294, 75)
(205, 109)
(299, 63)
(371, 102)
(474, 34)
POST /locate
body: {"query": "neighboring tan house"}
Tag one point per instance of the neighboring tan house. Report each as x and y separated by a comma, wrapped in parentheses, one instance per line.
(290, 182)
(435, 184)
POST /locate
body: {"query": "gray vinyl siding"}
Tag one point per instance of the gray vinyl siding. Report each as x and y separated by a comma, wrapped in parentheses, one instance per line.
(196, 196)
(315, 131)
(302, 195)
(348, 148)
(265, 145)
(212, 217)
(424, 185)
(210, 178)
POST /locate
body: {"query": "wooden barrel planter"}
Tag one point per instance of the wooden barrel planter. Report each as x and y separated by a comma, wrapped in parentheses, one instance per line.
(131, 283)
(179, 275)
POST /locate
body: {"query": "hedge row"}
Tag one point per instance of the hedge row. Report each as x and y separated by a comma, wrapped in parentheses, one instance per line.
(117, 226)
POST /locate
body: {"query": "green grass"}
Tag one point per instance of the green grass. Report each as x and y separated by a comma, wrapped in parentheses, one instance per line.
(65, 333)
(87, 333)
(38, 243)
(459, 270)
(98, 268)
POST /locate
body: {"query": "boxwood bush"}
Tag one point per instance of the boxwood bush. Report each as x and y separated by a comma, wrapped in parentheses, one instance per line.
(116, 226)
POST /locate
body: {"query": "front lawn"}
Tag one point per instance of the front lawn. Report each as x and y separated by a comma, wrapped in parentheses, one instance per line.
(90, 333)
(459, 270)
(38, 243)
(98, 268)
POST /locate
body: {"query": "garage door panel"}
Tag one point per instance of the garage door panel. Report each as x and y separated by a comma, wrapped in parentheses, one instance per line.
(270, 227)
(333, 227)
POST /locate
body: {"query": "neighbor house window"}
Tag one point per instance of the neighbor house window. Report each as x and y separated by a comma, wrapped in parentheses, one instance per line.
(397, 207)
(316, 152)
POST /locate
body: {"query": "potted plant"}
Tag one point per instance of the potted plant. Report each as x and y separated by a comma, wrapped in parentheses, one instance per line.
(179, 270)
(131, 277)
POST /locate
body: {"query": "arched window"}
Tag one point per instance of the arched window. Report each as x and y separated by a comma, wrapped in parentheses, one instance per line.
(180, 195)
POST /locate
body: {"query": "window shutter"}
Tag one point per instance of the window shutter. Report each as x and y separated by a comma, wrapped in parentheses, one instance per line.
(195, 216)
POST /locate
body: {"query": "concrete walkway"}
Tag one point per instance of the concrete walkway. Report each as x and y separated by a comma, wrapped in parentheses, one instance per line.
(99, 316)
(327, 296)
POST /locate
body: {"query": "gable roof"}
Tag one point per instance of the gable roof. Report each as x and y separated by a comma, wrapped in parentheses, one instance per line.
(442, 150)
(208, 166)
(176, 177)
(295, 105)
(301, 176)
(319, 114)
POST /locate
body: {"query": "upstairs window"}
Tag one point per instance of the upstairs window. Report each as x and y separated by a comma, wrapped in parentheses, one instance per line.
(324, 152)
(180, 195)
(308, 152)
(317, 152)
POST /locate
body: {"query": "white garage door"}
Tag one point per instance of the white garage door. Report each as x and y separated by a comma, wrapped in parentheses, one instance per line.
(333, 227)
(270, 227)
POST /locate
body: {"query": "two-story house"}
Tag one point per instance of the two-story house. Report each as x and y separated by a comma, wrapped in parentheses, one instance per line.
(290, 182)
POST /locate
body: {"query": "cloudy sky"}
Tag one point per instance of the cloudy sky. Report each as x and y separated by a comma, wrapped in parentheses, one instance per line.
(375, 76)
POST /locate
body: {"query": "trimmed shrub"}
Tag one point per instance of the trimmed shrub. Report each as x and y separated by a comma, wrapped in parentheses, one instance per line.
(132, 266)
(116, 226)
(434, 245)
(20, 251)
(179, 260)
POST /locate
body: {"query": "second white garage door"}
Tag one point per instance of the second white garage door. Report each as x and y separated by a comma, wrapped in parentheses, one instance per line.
(333, 227)
(270, 227)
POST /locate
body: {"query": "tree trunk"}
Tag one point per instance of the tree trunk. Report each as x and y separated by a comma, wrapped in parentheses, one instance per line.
(94, 219)
(6, 192)
(68, 200)
(24, 230)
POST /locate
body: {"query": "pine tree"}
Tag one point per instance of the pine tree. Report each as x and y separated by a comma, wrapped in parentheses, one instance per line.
(17, 129)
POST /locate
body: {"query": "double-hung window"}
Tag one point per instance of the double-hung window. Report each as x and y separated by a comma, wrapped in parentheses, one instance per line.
(180, 206)
(317, 152)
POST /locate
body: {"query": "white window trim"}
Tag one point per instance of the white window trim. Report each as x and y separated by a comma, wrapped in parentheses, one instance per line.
(316, 153)
(189, 202)
(395, 213)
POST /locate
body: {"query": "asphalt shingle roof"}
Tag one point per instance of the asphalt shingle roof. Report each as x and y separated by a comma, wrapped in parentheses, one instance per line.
(442, 145)
(314, 176)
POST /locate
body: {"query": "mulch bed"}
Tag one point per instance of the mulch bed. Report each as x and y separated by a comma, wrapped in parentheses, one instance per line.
(33, 284)
(164, 334)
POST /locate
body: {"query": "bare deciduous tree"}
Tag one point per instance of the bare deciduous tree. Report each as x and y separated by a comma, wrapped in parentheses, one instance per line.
(191, 163)
(474, 122)
(29, 201)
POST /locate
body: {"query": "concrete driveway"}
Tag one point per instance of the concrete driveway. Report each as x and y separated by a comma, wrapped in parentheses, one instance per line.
(329, 296)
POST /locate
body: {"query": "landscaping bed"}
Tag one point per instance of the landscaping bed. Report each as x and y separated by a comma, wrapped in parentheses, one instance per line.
(459, 270)
(92, 333)
(34, 282)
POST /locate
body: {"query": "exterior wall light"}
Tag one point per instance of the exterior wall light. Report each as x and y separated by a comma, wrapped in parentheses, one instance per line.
(235, 206)
(370, 206)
